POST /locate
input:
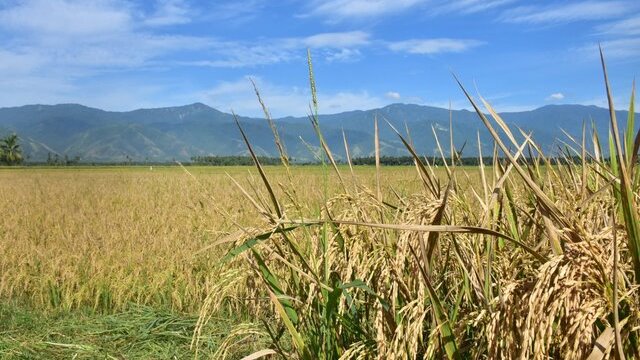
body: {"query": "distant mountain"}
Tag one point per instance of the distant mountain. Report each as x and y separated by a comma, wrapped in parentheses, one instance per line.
(177, 133)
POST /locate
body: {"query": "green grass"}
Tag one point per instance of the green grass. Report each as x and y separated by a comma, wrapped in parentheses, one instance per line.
(138, 333)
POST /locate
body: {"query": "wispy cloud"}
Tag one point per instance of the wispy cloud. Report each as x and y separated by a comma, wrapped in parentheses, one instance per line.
(618, 49)
(74, 37)
(337, 10)
(62, 34)
(567, 12)
(555, 97)
(169, 12)
(67, 18)
(334, 47)
(392, 95)
(622, 48)
(335, 39)
(434, 46)
(283, 100)
(625, 27)
(342, 9)
(235, 11)
(343, 55)
(469, 6)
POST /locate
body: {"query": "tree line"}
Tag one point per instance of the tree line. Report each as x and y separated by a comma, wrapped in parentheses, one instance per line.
(232, 160)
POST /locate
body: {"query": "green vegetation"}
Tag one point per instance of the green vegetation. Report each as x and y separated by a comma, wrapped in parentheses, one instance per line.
(140, 332)
(232, 160)
(10, 150)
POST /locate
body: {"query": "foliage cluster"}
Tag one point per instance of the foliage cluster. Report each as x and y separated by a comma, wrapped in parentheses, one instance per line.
(10, 150)
(213, 160)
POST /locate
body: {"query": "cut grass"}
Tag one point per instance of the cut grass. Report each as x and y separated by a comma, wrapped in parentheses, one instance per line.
(138, 333)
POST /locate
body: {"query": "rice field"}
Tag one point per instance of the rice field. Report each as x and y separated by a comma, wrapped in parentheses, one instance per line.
(513, 259)
(105, 238)
(105, 242)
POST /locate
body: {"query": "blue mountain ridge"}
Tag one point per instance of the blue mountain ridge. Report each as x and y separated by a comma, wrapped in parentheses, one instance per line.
(177, 133)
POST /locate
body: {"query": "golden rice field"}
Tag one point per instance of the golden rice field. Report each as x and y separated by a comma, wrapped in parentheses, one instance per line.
(524, 257)
(106, 238)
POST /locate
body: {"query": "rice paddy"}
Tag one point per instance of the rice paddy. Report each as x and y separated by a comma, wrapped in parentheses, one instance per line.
(516, 258)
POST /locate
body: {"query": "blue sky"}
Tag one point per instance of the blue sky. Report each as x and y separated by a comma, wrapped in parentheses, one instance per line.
(123, 55)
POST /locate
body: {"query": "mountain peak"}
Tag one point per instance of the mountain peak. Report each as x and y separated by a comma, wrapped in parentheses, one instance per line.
(199, 105)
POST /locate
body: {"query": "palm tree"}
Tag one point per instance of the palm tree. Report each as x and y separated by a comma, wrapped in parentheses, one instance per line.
(10, 151)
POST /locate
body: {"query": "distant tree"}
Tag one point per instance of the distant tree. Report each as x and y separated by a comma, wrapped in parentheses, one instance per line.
(233, 160)
(10, 151)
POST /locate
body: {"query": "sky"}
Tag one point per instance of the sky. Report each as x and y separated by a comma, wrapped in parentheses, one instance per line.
(122, 55)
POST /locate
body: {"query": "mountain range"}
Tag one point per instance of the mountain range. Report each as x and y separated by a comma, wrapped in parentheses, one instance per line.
(178, 133)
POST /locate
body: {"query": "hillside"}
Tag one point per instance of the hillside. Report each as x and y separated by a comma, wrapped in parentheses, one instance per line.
(177, 133)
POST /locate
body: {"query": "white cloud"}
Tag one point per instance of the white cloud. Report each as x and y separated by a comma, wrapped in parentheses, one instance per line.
(58, 47)
(67, 18)
(18, 62)
(567, 12)
(333, 47)
(393, 95)
(237, 54)
(616, 49)
(629, 26)
(283, 100)
(555, 97)
(80, 37)
(338, 10)
(348, 100)
(470, 6)
(622, 48)
(234, 11)
(335, 39)
(359, 8)
(169, 12)
(434, 46)
(343, 55)
(75, 36)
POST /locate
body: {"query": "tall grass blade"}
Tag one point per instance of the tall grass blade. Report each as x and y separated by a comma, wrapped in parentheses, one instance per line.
(446, 332)
(629, 138)
(542, 197)
(377, 154)
(263, 175)
(298, 342)
(284, 158)
(425, 228)
(616, 319)
(348, 158)
(250, 243)
(627, 197)
(275, 287)
(430, 181)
